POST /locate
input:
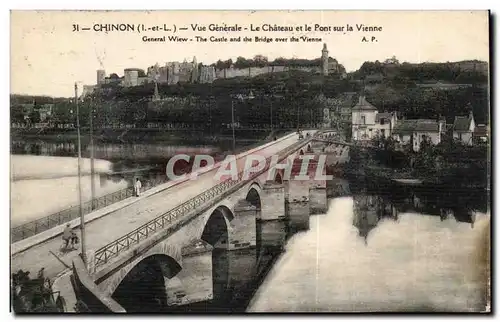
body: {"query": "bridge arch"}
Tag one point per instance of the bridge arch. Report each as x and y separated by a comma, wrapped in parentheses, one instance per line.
(278, 178)
(159, 251)
(217, 226)
(142, 289)
(253, 197)
(255, 185)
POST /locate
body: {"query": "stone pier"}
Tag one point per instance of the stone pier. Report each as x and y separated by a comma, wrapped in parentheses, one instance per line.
(317, 187)
(273, 202)
(243, 226)
(194, 282)
(298, 204)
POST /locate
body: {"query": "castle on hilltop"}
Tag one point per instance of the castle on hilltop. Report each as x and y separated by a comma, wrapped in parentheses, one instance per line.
(192, 72)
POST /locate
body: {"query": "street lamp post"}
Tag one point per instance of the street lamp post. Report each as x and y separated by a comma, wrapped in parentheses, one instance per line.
(298, 116)
(271, 102)
(80, 210)
(232, 123)
(92, 178)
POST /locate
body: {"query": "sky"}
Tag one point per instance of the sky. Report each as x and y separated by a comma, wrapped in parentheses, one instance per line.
(47, 57)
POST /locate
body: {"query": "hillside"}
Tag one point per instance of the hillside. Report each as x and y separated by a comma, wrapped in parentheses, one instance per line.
(425, 90)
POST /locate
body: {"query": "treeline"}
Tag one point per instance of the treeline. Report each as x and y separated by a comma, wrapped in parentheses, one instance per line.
(449, 72)
(292, 97)
(39, 100)
(200, 113)
(414, 102)
(262, 61)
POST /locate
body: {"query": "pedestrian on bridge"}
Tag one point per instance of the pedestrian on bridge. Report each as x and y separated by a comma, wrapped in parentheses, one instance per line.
(137, 187)
(69, 236)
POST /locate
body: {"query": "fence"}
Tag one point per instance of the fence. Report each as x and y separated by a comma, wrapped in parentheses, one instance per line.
(113, 249)
(40, 225)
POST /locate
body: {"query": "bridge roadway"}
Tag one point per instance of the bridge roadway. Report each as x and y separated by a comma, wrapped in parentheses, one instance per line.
(120, 222)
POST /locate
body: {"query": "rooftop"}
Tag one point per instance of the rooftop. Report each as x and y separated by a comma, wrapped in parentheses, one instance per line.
(420, 125)
(462, 123)
(481, 130)
(363, 105)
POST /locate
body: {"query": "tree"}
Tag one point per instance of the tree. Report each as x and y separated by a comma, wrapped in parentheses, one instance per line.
(425, 158)
(16, 113)
(34, 116)
(260, 60)
(242, 62)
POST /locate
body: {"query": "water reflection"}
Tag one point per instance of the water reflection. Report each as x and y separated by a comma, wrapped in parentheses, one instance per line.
(369, 208)
(237, 274)
(390, 248)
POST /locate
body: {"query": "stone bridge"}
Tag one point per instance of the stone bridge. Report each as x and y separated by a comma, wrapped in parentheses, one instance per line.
(175, 247)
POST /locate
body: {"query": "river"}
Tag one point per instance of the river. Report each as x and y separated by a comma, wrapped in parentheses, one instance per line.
(372, 251)
(44, 173)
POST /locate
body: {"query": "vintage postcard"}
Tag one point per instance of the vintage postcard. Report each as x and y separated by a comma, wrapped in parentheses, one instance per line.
(250, 161)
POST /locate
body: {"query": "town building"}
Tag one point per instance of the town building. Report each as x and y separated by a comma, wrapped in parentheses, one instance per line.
(481, 134)
(415, 132)
(363, 119)
(343, 104)
(368, 122)
(385, 123)
(45, 112)
(463, 128)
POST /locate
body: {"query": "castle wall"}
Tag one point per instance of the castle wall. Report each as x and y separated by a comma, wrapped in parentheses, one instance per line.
(188, 72)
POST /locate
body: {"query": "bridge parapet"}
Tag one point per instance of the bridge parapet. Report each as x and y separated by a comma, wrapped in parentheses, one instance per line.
(188, 209)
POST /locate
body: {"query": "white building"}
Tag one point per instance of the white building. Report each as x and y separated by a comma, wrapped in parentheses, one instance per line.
(368, 123)
(364, 117)
(463, 128)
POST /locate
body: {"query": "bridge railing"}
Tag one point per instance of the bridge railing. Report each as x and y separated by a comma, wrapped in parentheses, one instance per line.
(113, 249)
(40, 225)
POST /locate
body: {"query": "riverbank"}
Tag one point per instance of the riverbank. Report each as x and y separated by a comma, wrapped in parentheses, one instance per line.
(145, 135)
(408, 176)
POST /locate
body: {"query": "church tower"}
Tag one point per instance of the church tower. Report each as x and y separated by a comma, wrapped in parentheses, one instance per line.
(324, 60)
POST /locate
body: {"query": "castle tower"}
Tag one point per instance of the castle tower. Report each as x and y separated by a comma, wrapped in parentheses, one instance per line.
(195, 75)
(101, 75)
(324, 60)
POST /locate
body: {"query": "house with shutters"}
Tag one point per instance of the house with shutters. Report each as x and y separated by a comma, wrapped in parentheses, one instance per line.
(463, 128)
